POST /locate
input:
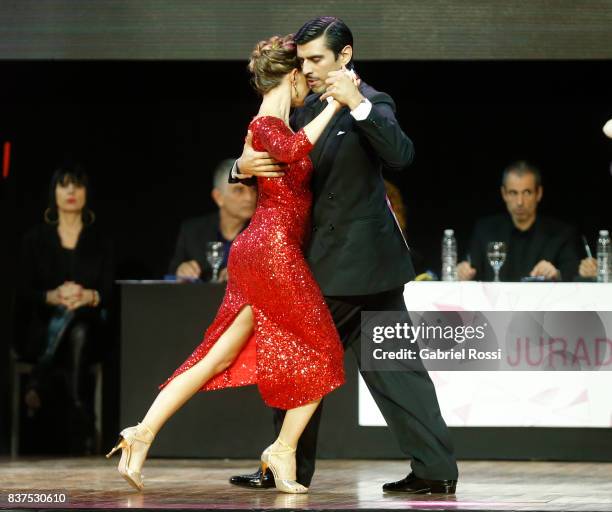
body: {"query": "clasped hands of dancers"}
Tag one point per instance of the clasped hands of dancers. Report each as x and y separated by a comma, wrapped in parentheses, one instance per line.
(274, 327)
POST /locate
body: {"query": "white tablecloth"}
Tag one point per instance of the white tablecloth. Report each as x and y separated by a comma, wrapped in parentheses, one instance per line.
(519, 399)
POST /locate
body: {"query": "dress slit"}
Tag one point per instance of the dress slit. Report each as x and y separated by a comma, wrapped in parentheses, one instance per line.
(243, 371)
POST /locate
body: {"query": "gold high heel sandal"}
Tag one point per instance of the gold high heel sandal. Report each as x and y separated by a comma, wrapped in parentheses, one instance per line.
(127, 437)
(280, 458)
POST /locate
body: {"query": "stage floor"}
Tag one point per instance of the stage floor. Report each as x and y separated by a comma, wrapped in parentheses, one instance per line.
(92, 482)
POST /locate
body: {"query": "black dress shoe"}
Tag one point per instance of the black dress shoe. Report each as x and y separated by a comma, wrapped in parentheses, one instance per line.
(412, 484)
(255, 480)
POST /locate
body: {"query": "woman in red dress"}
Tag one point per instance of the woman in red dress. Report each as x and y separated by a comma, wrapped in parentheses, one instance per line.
(273, 328)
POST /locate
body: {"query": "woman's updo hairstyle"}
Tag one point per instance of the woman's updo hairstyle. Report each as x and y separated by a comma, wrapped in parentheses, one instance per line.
(271, 60)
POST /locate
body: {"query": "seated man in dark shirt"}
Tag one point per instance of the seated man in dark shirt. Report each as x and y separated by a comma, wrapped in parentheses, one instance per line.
(536, 245)
(236, 204)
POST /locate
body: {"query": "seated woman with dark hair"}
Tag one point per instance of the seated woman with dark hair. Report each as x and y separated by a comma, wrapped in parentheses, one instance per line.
(66, 280)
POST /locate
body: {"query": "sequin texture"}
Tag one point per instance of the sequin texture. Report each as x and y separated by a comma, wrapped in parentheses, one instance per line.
(294, 354)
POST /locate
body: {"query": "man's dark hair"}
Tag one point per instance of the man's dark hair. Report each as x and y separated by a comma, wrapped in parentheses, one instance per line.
(521, 168)
(337, 34)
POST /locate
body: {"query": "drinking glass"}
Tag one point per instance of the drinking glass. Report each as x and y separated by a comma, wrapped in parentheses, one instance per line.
(496, 253)
(214, 255)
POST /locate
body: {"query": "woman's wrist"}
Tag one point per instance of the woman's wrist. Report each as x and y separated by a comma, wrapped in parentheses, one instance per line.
(96, 301)
(95, 298)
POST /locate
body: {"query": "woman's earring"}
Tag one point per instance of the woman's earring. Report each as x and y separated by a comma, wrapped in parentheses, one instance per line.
(295, 89)
(92, 217)
(48, 218)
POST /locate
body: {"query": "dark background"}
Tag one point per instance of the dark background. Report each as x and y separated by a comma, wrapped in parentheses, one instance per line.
(151, 132)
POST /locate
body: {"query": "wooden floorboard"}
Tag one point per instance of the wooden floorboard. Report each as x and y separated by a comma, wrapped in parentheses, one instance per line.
(93, 482)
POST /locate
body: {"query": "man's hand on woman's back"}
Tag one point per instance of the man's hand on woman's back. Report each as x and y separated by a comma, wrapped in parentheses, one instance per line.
(257, 163)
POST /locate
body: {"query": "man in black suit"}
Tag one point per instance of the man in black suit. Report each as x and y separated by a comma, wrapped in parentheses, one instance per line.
(236, 204)
(357, 252)
(536, 245)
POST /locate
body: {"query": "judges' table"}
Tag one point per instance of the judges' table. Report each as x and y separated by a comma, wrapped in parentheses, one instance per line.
(161, 324)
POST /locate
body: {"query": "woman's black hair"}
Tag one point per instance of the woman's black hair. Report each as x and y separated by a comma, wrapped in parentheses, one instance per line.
(64, 175)
(337, 34)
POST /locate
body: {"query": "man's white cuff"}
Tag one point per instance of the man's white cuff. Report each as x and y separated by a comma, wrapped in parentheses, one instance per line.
(362, 111)
(234, 172)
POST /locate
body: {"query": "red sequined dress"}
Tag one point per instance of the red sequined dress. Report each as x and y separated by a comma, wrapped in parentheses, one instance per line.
(294, 354)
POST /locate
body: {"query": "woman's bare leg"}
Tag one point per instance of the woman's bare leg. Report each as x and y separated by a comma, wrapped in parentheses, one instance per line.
(280, 455)
(295, 422)
(178, 391)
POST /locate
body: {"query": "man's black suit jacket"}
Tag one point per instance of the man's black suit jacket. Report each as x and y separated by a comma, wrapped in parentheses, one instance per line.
(356, 248)
(191, 243)
(552, 240)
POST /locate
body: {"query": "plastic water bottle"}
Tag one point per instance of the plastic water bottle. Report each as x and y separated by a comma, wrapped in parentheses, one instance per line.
(604, 257)
(449, 256)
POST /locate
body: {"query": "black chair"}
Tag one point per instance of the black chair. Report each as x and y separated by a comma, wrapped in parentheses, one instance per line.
(17, 369)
